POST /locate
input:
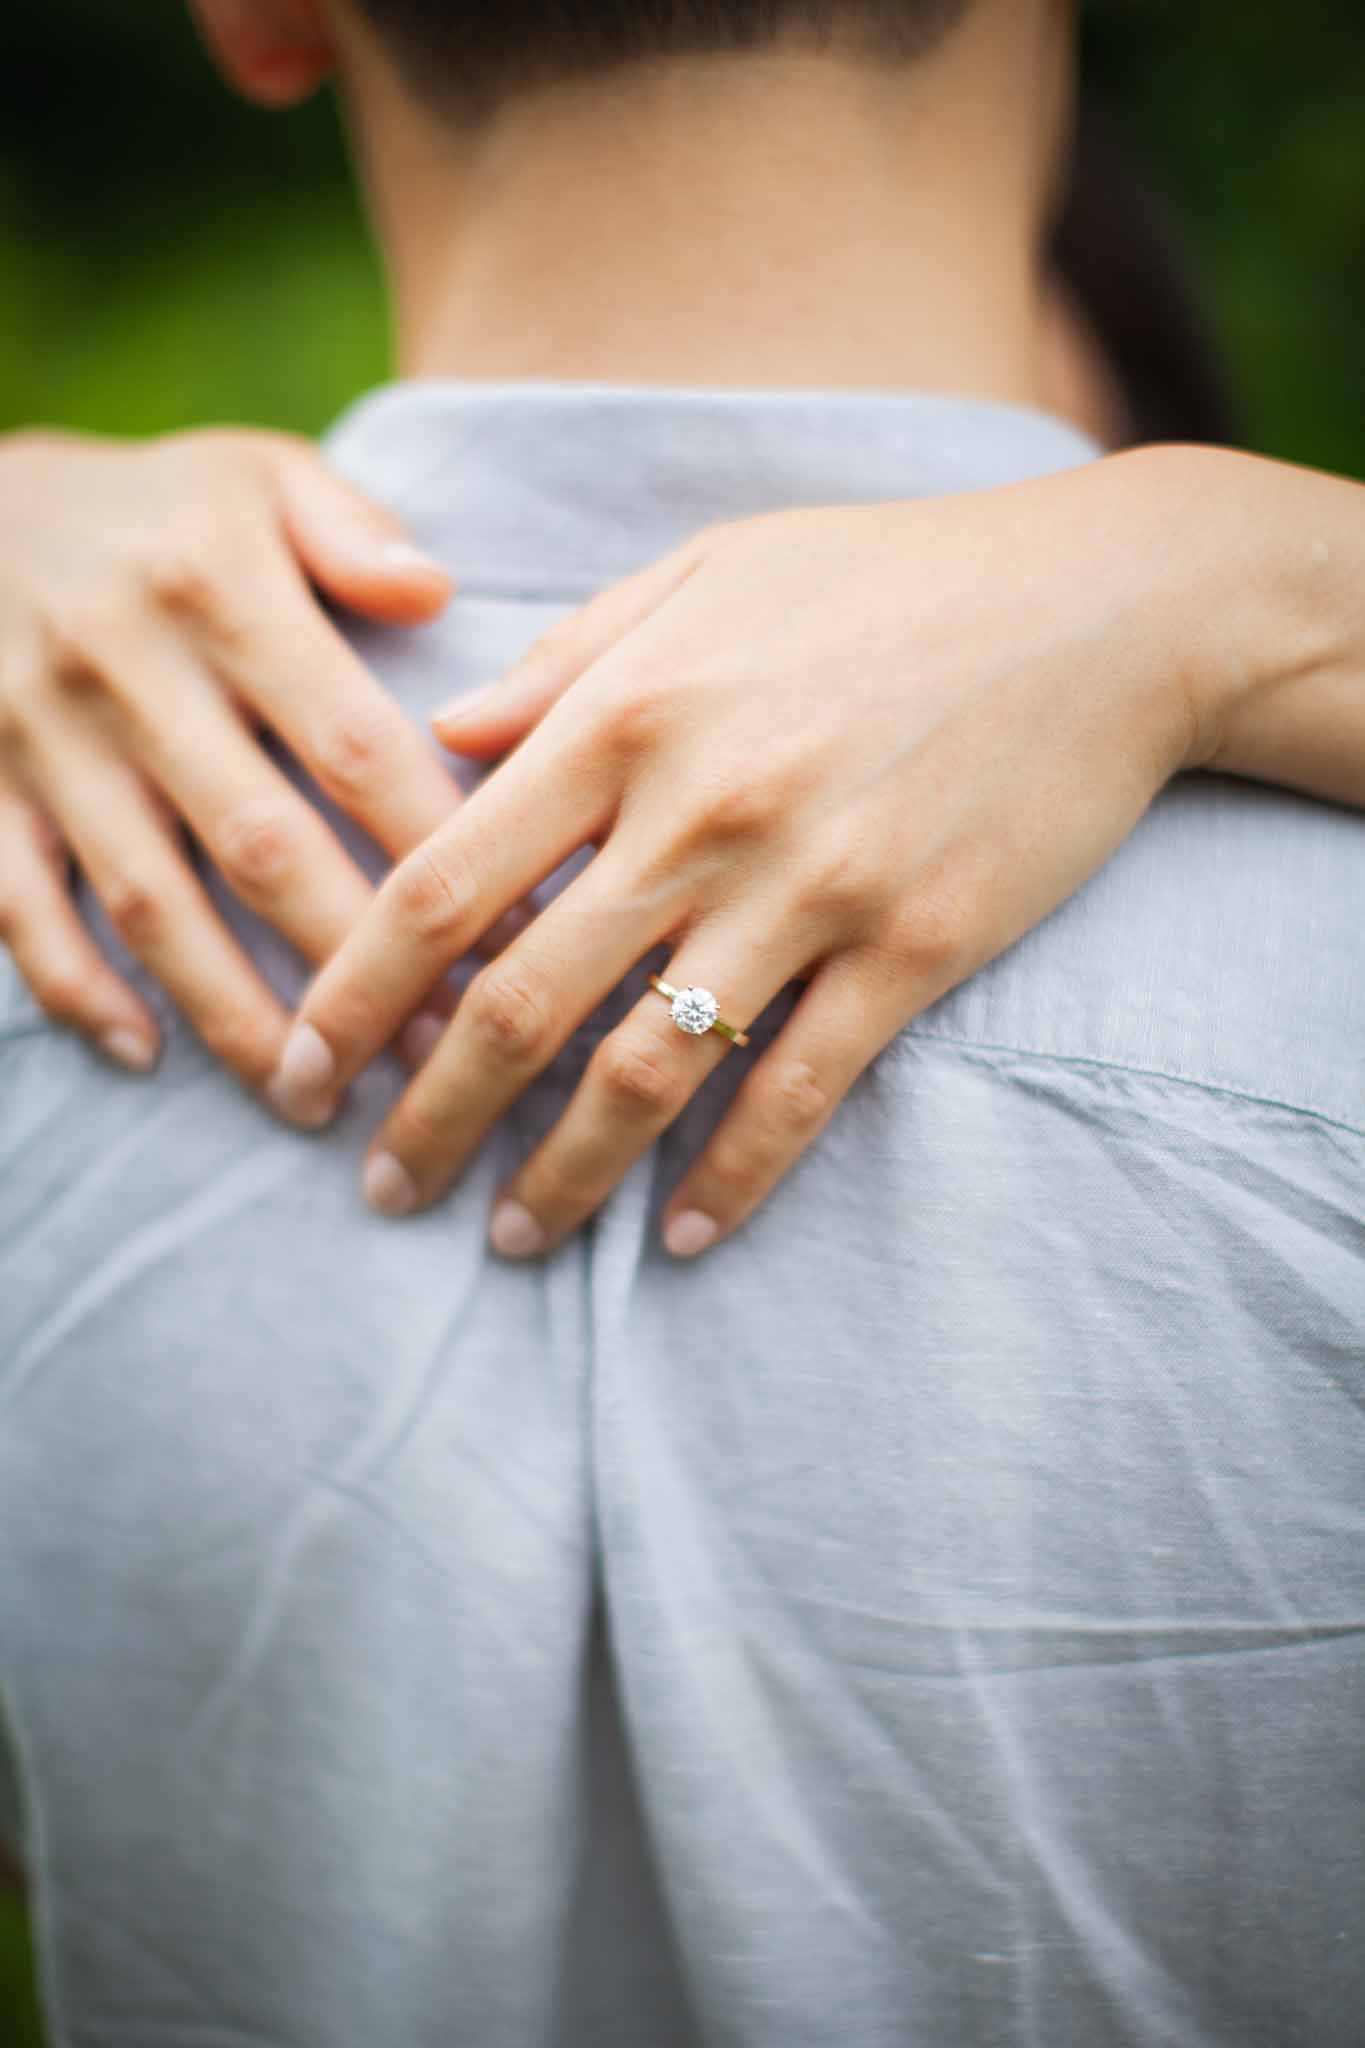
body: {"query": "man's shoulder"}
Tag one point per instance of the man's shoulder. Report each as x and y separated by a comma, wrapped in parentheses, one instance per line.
(561, 486)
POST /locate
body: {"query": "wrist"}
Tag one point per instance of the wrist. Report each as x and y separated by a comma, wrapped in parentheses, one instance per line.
(1261, 570)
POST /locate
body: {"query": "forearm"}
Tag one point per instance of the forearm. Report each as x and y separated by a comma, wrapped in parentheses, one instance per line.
(1265, 568)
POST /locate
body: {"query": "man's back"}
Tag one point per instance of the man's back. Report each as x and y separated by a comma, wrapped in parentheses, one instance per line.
(967, 1547)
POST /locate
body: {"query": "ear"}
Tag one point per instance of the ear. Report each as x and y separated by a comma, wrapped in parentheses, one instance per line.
(276, 52)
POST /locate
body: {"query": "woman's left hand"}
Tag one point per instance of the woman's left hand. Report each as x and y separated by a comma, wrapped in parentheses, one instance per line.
(863, 748)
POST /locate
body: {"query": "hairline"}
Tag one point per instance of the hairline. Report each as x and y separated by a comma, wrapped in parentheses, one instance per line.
(464, 60)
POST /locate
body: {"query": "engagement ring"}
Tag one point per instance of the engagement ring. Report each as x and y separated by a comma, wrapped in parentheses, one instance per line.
(696, 1010)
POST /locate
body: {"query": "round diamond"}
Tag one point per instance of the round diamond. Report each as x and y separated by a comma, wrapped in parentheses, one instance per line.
(696, 1009)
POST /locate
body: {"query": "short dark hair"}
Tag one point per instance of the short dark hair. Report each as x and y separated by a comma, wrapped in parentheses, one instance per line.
(467, 56)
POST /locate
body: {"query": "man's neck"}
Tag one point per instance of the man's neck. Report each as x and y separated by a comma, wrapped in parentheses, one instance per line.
(782, 220)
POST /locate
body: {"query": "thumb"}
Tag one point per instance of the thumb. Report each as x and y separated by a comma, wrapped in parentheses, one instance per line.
(356, 550)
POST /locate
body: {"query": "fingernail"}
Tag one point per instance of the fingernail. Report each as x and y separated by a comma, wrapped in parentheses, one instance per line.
(302, 1085)
(419, 1038)
(130, 1049)
(403, 557)
(690, 1232)
(515, 1232)
(388, 1186)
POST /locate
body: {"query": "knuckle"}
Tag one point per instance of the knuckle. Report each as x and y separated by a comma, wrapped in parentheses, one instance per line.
(415, 1132)
(240, 1039)
(258, 849)
(80, 637)
(355, 751)
(729, 1173)
(506, 1011)
(930, 936)
(181, 582)
(135, 910)
(554, 1193)
(634, 718)
(48, 841)
(62, 992)
(741, 808)
(841, 882)
(434, 898)
(637, 1082)
(23, 697)
(751, 803)
(794, 1099)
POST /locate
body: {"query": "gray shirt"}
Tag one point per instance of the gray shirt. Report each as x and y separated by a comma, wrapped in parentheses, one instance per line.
(932, 1617)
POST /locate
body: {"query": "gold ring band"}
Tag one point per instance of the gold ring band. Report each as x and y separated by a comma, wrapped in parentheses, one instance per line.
(694, 1010)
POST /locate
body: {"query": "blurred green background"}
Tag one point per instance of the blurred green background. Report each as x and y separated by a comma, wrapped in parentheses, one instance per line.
(169, 257)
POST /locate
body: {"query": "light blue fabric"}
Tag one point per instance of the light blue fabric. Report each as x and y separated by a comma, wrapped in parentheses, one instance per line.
(934, 1617)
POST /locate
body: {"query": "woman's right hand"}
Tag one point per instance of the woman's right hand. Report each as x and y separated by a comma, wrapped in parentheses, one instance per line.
(156, 608)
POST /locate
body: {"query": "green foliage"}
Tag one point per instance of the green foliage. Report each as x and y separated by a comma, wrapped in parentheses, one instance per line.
(19, 2021)
(168, 256)
(1252, 123)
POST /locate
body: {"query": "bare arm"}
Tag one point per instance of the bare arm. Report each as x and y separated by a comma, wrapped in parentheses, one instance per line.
(1018, 672)
(158, 606)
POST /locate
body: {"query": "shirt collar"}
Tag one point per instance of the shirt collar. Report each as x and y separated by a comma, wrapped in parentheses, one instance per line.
(556, 488)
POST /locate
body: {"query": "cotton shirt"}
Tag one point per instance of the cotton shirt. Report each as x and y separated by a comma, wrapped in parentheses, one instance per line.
(935, 1617)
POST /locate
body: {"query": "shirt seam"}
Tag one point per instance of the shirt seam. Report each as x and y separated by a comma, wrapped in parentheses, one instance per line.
(40, 1026)
(1066, 1059)
(27, 1027)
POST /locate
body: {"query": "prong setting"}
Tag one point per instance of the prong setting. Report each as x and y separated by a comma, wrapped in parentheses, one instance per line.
(695, 1009)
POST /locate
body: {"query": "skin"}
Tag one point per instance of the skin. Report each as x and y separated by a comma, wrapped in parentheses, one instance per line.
(852, 852)
(879, 843)
(1149, 614)
(157, 608)
(130, 578)
(155, 603)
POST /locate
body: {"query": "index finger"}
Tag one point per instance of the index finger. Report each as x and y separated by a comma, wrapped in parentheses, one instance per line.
(294, 667)
(513, 830)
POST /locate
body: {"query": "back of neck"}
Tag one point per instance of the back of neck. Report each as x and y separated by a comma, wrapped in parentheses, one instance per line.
(787, 219)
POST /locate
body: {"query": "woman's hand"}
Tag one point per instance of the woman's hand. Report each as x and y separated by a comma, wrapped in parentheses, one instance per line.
(155, 606)
(866, 749)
